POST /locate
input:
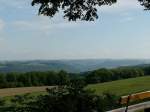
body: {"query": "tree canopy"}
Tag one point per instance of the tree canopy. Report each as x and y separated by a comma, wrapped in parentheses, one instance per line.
(145, 3)
(76, 9)
(72, 9)
(73, 97)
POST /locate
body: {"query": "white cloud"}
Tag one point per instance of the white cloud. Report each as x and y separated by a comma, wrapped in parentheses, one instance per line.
(22, 24)
(122, 5)
(47, 27)
(43, 24)
(126, 19)
(128, 3)
(15, 3)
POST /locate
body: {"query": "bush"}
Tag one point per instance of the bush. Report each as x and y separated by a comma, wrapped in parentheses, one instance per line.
(2, 102)
(70, 98)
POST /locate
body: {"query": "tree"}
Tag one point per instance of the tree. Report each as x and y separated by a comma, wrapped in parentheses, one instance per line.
(2, 101)
(70, 98)
(73, 9)
(63, 78)
(100, 75)
(76, 9)
(2, 80)
(145, 3)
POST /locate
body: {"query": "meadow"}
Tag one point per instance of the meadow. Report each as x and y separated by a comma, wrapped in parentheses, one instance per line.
(120, 87)
(23, 90)
(123, 87)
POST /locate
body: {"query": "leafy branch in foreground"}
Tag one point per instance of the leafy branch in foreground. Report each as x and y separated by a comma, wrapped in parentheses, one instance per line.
(76, 9)
(145, 3)
(73, 9)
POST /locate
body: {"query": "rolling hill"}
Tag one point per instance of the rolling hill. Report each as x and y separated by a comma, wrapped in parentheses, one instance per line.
(67, 65)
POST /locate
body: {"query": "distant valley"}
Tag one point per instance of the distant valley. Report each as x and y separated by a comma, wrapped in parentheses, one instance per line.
(72, 66)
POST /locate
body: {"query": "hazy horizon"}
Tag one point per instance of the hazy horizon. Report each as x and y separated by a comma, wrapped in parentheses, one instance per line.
(78, 59)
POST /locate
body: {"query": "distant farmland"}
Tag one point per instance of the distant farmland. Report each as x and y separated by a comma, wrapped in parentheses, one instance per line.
(123, 87)
(23, 90)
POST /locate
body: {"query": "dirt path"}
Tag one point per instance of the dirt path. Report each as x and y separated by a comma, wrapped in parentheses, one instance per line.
(22, 90)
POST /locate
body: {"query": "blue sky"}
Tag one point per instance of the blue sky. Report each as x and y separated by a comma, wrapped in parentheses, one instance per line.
(122, 31)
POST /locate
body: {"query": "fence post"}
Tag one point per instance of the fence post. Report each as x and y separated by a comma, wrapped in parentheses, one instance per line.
(128, 101)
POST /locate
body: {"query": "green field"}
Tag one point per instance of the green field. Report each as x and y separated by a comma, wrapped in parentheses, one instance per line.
(123, 87)
(119, 88)
(23, 90)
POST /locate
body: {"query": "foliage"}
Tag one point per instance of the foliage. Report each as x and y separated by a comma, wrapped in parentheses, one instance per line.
(145, 3)
(146, 69)
(29, 79)
(70, 98)
(72, 9)
(105, 75)
(101, 75)
(51, 78)
(122, 87)
(109, 98)
(77, 9)
(21, 99)
(106, 92)
(2, 102)
(110, 101)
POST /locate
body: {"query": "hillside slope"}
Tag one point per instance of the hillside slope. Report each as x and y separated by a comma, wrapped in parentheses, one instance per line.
(123, 87)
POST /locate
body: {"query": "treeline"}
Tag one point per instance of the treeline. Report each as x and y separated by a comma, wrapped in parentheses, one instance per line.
(51, 78)
(28, 79)
(106, 75)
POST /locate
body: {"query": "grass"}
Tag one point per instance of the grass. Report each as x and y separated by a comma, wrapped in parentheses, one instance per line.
(23, 90)
(140, 111)
(119, 88)
(123, 87)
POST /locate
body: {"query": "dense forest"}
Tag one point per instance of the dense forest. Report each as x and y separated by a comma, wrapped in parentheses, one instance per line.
(52, 78)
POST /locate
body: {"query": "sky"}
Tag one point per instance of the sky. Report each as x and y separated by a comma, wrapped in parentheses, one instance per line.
(122, 31)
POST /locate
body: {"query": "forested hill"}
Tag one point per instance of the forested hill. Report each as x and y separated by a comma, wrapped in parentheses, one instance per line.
(67, 65)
